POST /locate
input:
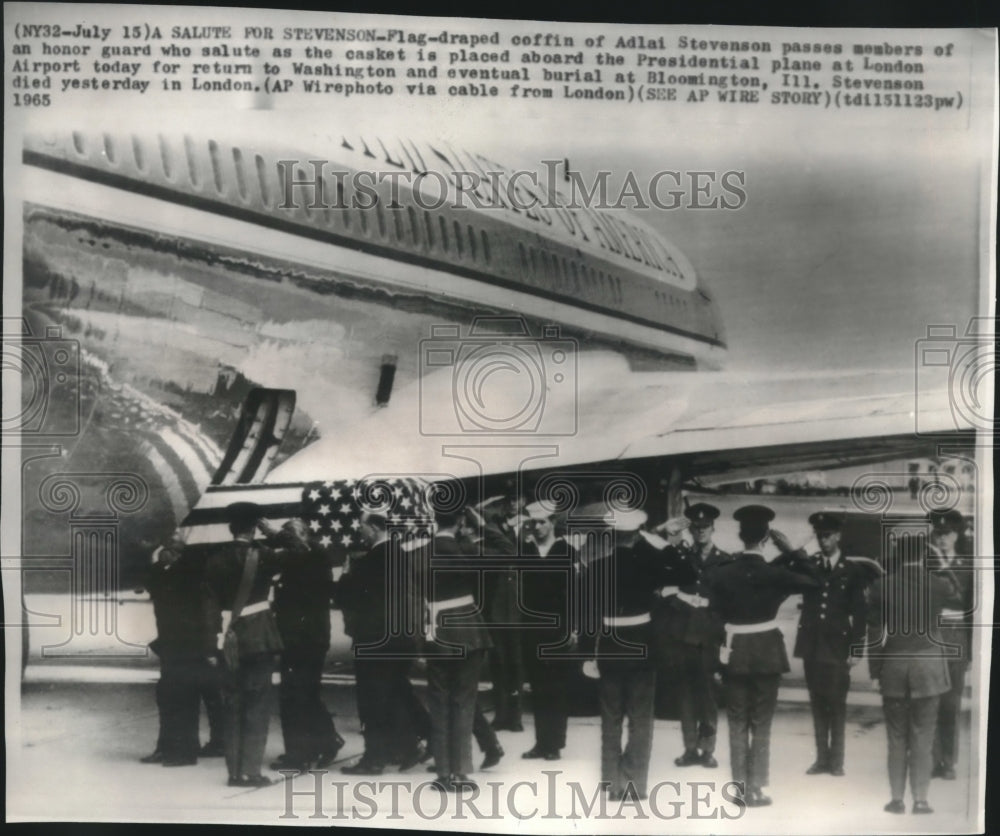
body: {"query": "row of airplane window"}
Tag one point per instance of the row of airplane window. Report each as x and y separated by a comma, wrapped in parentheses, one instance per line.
(567, 275)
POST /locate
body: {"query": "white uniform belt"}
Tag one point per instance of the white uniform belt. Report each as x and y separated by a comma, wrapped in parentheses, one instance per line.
(626, 620)
(450, 604)
(439, 606)
(759, 627)
(250, 609)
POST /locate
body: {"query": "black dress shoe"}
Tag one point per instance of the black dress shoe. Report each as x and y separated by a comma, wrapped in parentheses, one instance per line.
(363, 767)
(837, 771)
(418, 754)
(515, 726)
(443, 783)
(947, 773)
(286, 765)
(462, 783)
(552, 756)
(153, 757)
(818, 768)
(689, 758)
(492, 757)
(329, 754)
(895, 806)
(179, 761)
(708, 760)
(937, 770)
(755, 798)
(616, 795)
(922, 807)
(255, 781)
(534, 753)
(212, 749)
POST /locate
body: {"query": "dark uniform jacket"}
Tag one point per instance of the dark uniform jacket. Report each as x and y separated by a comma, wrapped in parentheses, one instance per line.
(302, 596)
(623, 585)
(373, 606)
(904, 648)
(956, 572)
(697, 625)
(224, 570)
(833, 614)
(501, 605)
(749, 590)
(461, 625)
(548, 591)
(185, 624)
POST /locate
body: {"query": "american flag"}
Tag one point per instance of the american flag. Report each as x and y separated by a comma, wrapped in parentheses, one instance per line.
(333, 510)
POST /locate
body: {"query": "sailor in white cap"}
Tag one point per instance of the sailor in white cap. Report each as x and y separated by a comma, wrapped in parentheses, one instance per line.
(546, 591)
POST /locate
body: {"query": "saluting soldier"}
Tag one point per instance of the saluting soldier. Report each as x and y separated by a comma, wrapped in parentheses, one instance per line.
(546, 591)
(747, 592)
(457, 645)
(833, 620)
(698, 633)
(948, 558)
(621, 587)
(238, 579)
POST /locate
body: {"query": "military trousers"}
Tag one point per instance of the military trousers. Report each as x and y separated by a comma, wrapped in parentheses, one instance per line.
(306, 725)
(949, 711)
(185, 682)
(626, 692)
(384, 708)
(909, 725)
(550, 680)
(828, 684)
(246, 700)
(507, 673)
(750, 703)
(699, 707)
(452, 684)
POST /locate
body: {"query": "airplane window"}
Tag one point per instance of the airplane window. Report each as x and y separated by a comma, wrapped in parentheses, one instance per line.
(165, 161)
(429, 229)
(262, 179)
(472, 241)
(414, 225)
(213, 153)
(486, 245)
(444, 232)
(192, 166)
(140, 161)
(241, 182)
(78, 142)
(109, 149)
(458, 237)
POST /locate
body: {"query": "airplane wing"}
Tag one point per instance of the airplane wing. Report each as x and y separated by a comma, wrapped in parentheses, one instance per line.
(726, 426)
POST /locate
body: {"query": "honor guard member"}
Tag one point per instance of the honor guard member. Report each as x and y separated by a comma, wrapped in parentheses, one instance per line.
(621, 588)
(500, 539)
(546, 593)
(697, 633)
(906, 662)
(382, 655)
(747, 592)
(185, 643)
(302, 597)
(832, 621)
(238, 579)
(457, 645)
(948, 558)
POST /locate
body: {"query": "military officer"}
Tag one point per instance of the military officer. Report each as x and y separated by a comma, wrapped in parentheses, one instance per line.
(907, 664)
(747, 592)
(698, 633)
(457, 644)
(238, 579)
(546, 592)
(622, 586)
(832, 621)
(948, 558)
